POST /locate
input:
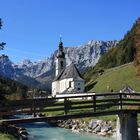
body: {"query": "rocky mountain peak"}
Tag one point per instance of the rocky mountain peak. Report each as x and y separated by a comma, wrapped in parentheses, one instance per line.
(25, 63)
(86, 55)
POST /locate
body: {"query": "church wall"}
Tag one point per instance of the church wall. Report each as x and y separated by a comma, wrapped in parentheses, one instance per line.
(55, 88)
(64, 85)
(59, 66)
(79, 85)
(71, 85)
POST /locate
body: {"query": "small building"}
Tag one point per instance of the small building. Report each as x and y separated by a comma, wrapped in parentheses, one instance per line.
(127, 89)
(68, 79)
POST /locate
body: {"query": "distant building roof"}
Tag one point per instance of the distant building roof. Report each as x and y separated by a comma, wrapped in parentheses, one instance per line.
(70, 72)
(126, 89)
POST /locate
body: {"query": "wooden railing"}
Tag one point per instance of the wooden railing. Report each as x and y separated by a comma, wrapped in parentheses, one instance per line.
(97, 103)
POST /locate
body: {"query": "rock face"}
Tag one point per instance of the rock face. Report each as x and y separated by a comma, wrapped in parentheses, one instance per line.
(41, 73)
(87, 55)
(11, 70)
(6, 67)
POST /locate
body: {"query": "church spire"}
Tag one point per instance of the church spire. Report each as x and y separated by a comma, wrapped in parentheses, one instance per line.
(60, 52)
(60, 38)
(60, 58)
(60, 44)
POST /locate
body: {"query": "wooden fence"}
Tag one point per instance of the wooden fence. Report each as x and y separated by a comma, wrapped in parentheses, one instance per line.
(99, 103)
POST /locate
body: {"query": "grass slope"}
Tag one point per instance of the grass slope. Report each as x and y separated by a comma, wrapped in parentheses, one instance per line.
(6, 137)
(115, 78)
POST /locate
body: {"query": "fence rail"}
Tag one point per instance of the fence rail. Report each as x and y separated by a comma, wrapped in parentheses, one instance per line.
(97, 103)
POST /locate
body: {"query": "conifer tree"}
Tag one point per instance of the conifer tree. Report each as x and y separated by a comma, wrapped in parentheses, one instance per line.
(2, 91)
(2, 44)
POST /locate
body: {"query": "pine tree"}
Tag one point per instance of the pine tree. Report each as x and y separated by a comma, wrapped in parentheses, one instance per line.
(2, 44)
(2, 91)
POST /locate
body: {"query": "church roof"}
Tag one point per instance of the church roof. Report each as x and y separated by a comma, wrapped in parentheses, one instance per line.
(70, 72)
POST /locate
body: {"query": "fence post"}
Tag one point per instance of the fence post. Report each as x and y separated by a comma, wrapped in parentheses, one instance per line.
(65, 106)
(120, 106)
(34, 108)
(94, 103)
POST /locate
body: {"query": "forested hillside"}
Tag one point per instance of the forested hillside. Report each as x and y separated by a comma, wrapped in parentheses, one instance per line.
(11, 89)
(123, 53)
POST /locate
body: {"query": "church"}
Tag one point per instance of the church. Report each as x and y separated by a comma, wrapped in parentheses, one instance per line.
(67, 79)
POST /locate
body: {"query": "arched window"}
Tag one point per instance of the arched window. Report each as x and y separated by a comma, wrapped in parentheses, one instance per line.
(69, 84)
(62, 63)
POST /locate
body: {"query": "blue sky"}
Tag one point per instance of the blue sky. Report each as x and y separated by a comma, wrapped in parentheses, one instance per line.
(31, 28)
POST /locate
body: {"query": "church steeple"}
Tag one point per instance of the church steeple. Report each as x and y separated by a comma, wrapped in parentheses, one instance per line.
(60, 44)
(60, 58)
(60, 52)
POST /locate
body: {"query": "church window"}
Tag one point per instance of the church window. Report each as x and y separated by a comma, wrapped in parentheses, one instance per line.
(69, 84)
(78, 88)
(62, 64)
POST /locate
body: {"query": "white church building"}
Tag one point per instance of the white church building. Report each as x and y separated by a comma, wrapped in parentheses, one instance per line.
(68, 79)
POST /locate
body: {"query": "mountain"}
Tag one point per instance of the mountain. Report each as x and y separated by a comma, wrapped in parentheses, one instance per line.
(6, 67)
(11, 70)
(87, 55)
(126, 51)
(41, 73)
(84, 56)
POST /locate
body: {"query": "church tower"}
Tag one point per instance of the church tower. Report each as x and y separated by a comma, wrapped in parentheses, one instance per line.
(60, 58)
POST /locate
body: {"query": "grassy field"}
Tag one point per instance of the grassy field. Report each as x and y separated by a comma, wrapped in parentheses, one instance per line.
(6, 137)
(115, 78)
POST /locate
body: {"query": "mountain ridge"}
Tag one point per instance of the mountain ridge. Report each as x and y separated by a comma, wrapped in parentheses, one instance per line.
(83, 56)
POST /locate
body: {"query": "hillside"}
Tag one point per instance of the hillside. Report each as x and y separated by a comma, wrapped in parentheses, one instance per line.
(115, 78)
(137, 48)
(125, 52)
(11, 89)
